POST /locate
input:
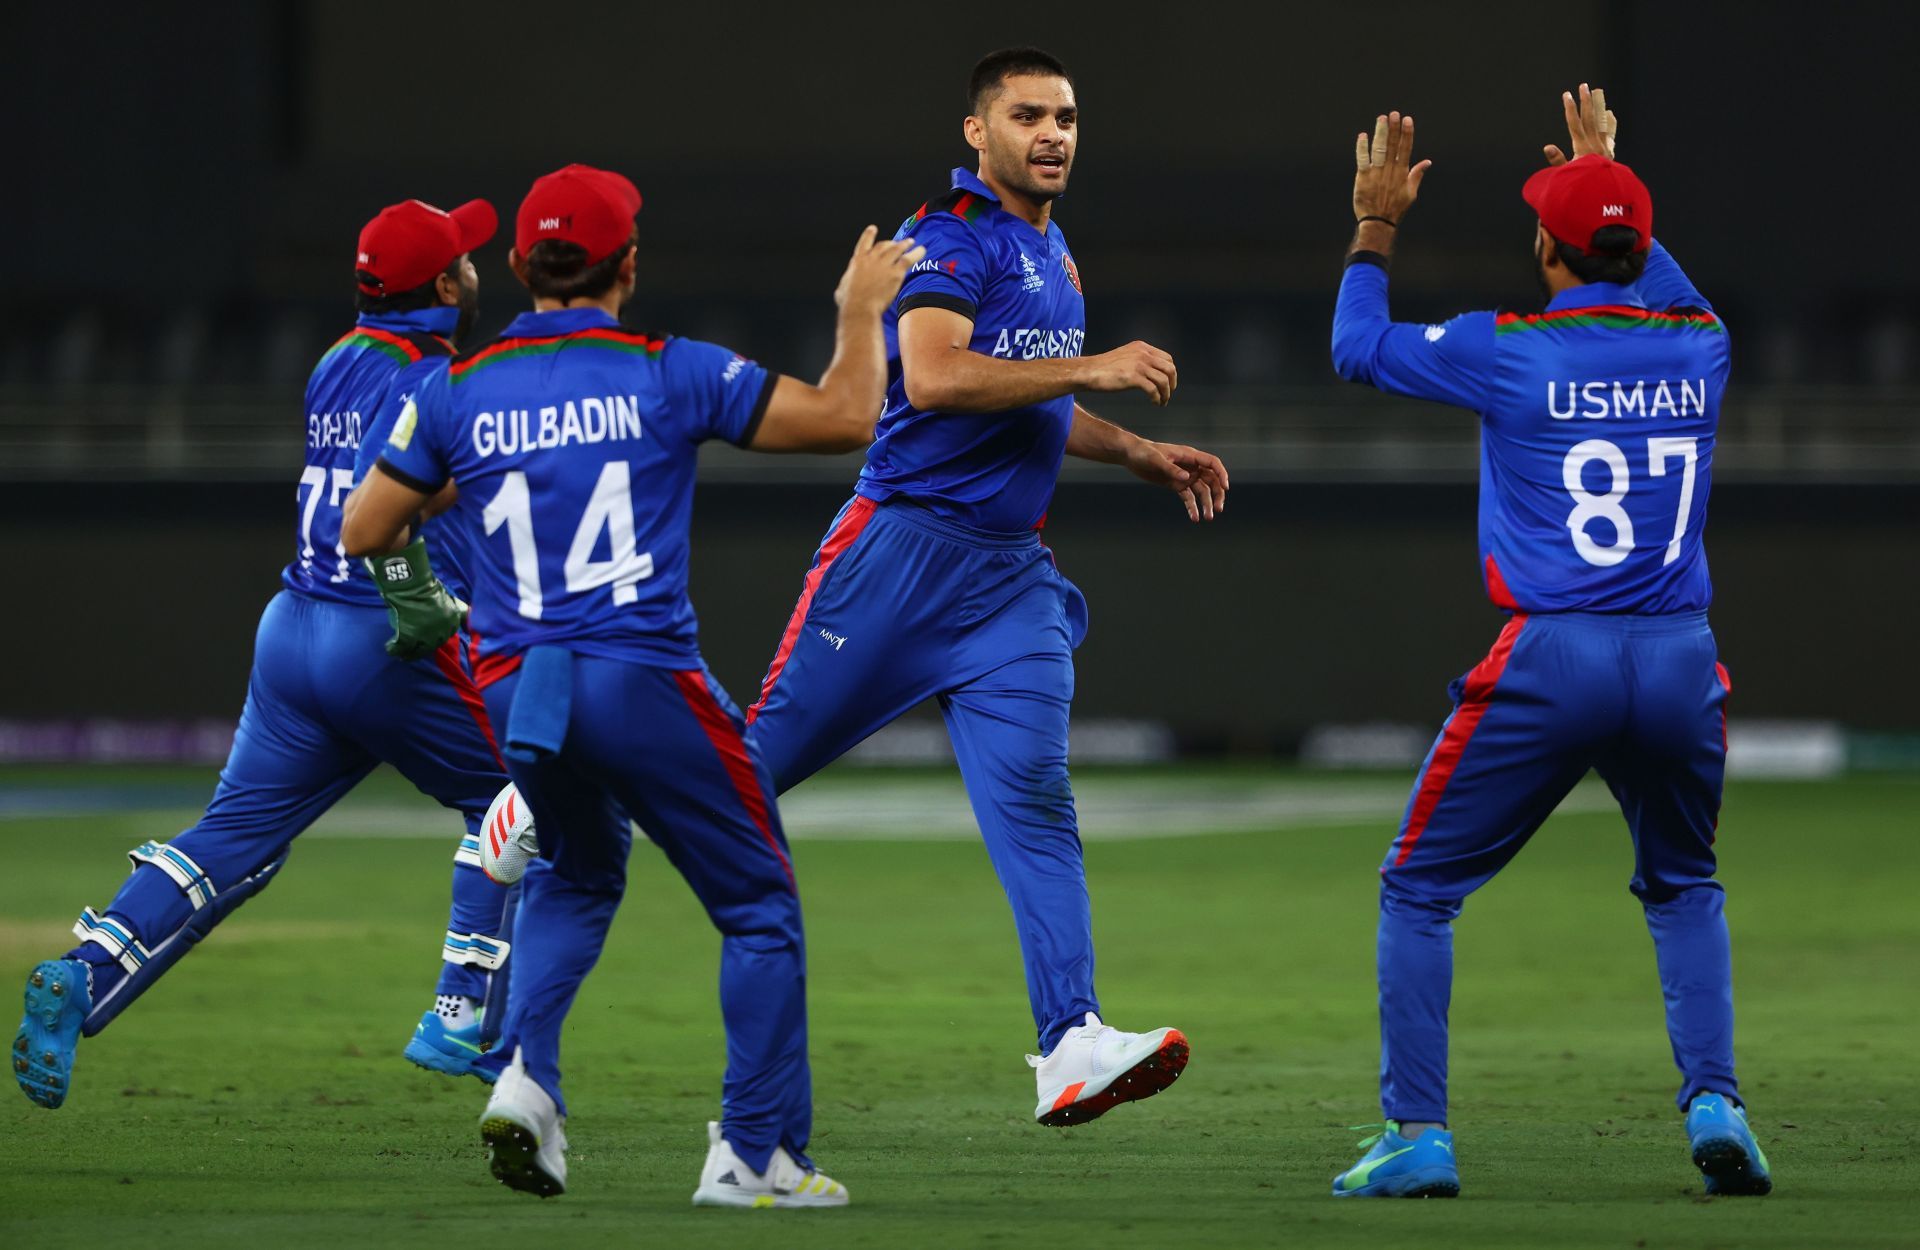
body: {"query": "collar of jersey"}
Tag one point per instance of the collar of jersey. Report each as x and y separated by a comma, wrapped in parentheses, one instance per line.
(1594, 294)
(967, 180)
(540, 325)
(439, 320)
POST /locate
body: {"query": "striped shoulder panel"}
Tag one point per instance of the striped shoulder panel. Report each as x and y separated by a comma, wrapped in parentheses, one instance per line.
(1612, 317)
(961, 202)
(403, 349)
(600, 338)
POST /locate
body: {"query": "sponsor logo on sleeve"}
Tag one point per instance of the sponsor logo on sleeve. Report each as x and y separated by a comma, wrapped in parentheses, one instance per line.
(402, 435)
(1073, 271)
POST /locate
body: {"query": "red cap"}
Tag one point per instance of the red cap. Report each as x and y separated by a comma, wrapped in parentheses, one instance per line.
(579, 204)
(407, 244)
(1579, 197)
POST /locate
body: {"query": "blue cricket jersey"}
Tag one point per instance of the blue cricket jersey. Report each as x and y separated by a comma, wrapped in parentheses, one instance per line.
(1597, 424)
(359, 384)
(991, 470)
(573, 441)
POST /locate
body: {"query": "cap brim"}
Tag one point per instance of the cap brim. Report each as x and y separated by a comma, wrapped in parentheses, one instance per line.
(1534, 192)
(476, 222)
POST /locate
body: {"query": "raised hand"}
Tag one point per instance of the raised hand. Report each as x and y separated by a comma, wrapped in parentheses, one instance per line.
(1137, 366)
(1383, 185)
(1591, 126)
(874, 274)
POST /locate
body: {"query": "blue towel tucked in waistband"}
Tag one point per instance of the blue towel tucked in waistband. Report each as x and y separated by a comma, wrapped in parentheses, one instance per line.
(542, 704)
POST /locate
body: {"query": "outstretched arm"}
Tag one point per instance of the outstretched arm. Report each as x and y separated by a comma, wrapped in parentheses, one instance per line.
(1200, 479)
(837, 412)
(1593, 129)
(1448, 362)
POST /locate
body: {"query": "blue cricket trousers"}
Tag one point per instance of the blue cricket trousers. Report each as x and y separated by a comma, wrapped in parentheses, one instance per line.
(1642, 699)
(668, 748)
(325, 706)
(902, 605)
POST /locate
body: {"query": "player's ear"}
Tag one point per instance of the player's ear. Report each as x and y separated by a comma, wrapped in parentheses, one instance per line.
(518, 263)
(630, 267)
(1543, 249)
(975, 132)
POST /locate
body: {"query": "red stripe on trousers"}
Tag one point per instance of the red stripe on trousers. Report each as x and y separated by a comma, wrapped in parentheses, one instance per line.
(1726, 684)
(726, 739)
(1453, 741)
(447, 659)
(859, 512)
(488, 669)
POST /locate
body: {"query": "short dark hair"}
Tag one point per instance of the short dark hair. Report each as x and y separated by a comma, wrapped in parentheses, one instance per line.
(1610, 258)
(557, 269)
(1007, 63)
(422, 296)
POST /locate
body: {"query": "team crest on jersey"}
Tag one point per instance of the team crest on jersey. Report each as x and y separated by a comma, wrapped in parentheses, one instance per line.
(1073, 271)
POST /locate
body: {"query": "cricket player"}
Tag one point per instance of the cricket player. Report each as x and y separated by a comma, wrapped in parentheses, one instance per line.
(1597, 423)
(932, 582)
(572, 443)
(326, 702)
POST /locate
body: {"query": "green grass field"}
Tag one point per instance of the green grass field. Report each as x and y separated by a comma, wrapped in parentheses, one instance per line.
(257, 1096)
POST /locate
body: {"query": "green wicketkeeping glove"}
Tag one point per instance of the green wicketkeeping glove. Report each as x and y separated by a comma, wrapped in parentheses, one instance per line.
(422, 612)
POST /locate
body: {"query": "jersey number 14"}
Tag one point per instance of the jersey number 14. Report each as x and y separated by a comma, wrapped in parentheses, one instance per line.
(610, 510)
(1589, 507)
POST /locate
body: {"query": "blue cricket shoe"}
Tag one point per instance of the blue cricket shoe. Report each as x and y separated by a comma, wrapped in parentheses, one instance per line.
(1398, 1168)
(438, 1048)
(58, 998)
(1724, 1148)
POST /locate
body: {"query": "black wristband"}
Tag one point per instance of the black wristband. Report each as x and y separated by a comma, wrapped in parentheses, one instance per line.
(1366, 258)
(1388, 221)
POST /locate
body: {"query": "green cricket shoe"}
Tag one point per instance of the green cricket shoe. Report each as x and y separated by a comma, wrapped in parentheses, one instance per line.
(1398, 1168)
(1724, 1148)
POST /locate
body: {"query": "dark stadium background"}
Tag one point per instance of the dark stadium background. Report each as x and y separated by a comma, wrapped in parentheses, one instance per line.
(187, 181)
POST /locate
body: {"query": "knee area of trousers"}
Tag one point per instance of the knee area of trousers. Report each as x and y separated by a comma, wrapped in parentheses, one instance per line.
(1403, 900)
(1701, 898)
(763, 941)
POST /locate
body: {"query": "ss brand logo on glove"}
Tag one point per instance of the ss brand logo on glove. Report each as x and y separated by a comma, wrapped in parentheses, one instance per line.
(396, 569)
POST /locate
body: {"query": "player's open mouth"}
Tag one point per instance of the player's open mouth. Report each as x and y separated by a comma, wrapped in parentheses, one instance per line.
(1049, 162)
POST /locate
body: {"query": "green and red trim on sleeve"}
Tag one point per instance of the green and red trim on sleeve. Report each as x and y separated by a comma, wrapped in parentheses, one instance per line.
(1610, 316)
(962, 203)
(607, 338)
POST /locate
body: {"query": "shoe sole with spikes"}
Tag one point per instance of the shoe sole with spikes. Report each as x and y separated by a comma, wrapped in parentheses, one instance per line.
(56, 1003)
(516, 1157)
(1728, 1167)
(1143, 1080)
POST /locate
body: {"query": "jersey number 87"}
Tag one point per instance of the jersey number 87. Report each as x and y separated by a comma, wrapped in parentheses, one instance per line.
(610, 509)
(1588, 507)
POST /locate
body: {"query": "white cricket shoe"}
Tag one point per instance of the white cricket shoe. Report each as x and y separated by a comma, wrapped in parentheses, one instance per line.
(526, 1134)
(727, 1182)
(1096, 1067)
(507, 840)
